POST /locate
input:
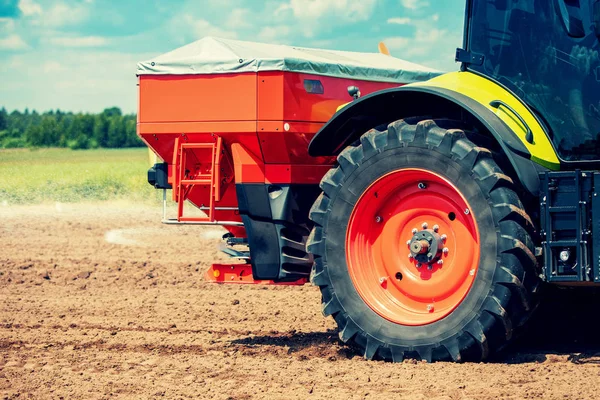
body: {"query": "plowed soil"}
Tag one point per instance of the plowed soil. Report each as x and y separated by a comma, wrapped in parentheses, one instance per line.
(100, 301)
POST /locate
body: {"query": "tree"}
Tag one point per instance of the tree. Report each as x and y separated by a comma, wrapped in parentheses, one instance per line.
(3, 119)
(116, 132)
(50, 130)
(110, 128)
(34, 135)
(33, 118)
(101, 130)
(15, 121)
(64, 126)
(112, 111)
(131, 132)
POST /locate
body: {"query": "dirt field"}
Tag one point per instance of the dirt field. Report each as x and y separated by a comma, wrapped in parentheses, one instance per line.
(103, 301)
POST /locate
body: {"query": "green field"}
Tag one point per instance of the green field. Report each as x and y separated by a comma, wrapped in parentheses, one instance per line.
(62, 175)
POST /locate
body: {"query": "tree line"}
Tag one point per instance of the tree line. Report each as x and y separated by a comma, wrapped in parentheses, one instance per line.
(110, 129)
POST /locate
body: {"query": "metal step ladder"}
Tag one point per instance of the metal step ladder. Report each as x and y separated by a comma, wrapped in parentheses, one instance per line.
(186, 180)
(566, 226)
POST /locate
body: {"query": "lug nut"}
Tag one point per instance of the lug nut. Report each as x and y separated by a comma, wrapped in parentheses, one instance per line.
(378, 219)
(414, 231)
(424, 226)
(445, 250)
(419, 265)
(444, 237)
(440, 262)
(436, 228)
(408, 242)
(430, 267)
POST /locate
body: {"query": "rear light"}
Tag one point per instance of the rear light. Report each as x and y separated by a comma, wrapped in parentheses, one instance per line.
(313, 86)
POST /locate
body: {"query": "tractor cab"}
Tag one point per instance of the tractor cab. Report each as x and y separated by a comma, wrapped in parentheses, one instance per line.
(547, 54)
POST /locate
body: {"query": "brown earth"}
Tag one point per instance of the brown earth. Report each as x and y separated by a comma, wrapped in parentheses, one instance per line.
(102, 301)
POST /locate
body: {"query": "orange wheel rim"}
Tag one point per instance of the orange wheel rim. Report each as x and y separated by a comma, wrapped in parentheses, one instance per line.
(412, 247)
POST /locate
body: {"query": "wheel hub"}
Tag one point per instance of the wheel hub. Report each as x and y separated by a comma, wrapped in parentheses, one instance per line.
(426, 247)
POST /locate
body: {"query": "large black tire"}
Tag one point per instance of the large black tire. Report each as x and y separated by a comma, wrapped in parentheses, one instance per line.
(502, 295)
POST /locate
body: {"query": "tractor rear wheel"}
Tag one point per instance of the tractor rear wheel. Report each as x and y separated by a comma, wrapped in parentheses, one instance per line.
(422, 247)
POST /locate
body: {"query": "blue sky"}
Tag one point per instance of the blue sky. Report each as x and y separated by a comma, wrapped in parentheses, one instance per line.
(81, 55)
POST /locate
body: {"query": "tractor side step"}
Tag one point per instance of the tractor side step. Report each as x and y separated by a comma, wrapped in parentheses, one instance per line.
(570, 211)
(241, 274)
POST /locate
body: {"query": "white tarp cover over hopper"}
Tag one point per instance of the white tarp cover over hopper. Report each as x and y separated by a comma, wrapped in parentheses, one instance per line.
(215, 55)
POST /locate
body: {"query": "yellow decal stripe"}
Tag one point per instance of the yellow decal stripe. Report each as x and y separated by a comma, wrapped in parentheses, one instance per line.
(485, 91)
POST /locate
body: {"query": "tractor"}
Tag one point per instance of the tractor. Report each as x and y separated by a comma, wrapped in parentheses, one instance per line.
(430, 209)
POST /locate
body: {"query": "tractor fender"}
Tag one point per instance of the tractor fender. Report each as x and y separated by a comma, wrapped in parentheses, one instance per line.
(383, 107)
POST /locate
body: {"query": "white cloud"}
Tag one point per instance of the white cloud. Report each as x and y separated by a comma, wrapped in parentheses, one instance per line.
(13, 42)
(29, 8)
(274, 34)
(397, 43)
(314, 15)
(356, 10)
(7, 24)
(414, 4)
(429, 44)
(420, 44)
(185, 28)
(51, 67)
(61, 14)
(239, 18)
(202, 28)
(82, 41)
(399, 21)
